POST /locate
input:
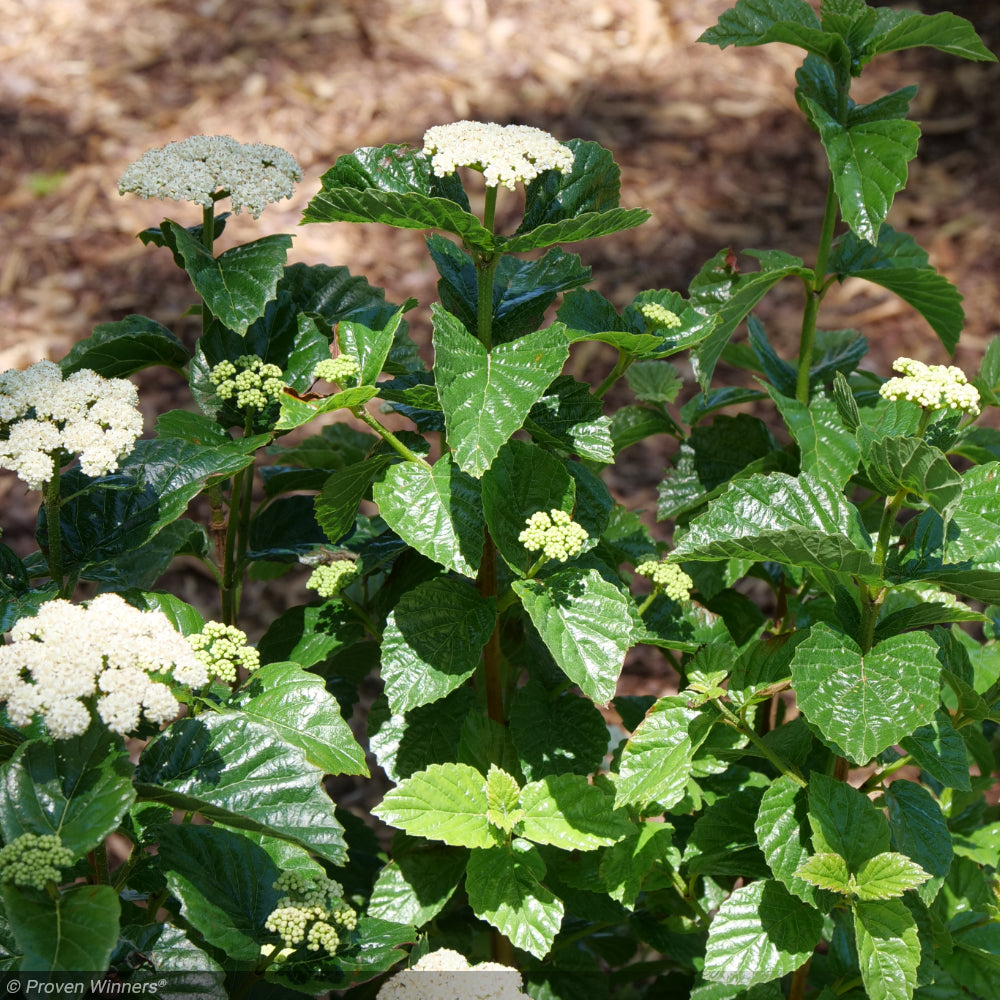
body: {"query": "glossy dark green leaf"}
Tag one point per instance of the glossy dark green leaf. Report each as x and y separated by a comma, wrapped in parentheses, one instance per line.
(946, 32)
(632, 424)
(895, 463)
(120, 349)
(919, 830)
(308, 634)
(370, 347)
(724, 841)
(435, 510)
(141, 568)
(284, 529)
(698, 407)
(78, 931)
(236, 770)
(486, 396)
(78, 789)
(571, 419)
(433, 641)
(845, 821)
(939, 750)
(338, 501)
(922, 615)
(295, 703)
(208, 869)
(193, 973)
(238, 284)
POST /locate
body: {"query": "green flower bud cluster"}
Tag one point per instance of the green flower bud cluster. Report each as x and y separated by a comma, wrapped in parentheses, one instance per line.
(224, 650)
(667, 577)
(311, 913)
(34, 859)
(555, 534)
(659, 317)
(250, 383)
(933, 387)
(331, 578)
(336, 369)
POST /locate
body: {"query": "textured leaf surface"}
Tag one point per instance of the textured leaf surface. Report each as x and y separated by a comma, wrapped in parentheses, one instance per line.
(627, 864)
(888, 875)
(570, 418)
(433, 641)
(207, 870)
(445, 802)
(370, 347)
(723, 841)
(504, 889)
(866, 703)
(296, 412)
(309, 633)
(120, 349)
(566, 811)
(895, 463)
(760, 932)
(939, 750)
(234, 769)
(920, 832)
(296, 704)
(486, 396)
(888, 949)
(844, 821)
(78, 789)
(826, 871)
(338, 501)
(587, 624)
(414, 887)
(946, 32)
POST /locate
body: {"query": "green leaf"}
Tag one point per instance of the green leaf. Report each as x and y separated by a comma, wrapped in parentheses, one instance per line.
(395, 186)
(654, 381)
(433, 641)
(295, 703)
(945, 32)
(437, 511)
(309, 634)
(922, 615)
(826, 871)
(486, 396)
(117, 350)
(760, 932)
(867, 702)
(827, 449)
(295, 411)
(505, 890)
(235, 770)
(627, 864)
(444, 802)
(238, 284)
(571, 419)
(939, 750)
(698, 407)
(887, 876)
(78, 789)
(194, 974)
(370, 347)
(207, 870)
(844, 821)
(77, 931)
(868, 165)
(632, 424)
(502, 799)
(556, 732)
(899, 264)
(523, 479)
(920, 831)
(587, 623)
(566, 811)
(895, 463)
(888, 949)
(800, 521)
(141, 568)
(415, 886)
(338, 501)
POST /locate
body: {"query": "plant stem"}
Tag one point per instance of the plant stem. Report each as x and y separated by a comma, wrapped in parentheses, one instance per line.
(684, 892)
(800, 979)
(390, 439)
(99, 860)
(54, 554)
(229, 600)
(738, 724)
(622, 365)
(492, 667)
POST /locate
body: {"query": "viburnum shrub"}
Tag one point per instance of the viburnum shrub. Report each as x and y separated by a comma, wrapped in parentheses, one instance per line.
(811, 815)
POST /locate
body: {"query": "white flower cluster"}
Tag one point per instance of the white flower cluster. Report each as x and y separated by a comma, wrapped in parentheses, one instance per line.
(445, 974)
(204, 168)
(336, 369)
(668, 577)
(660, 317)
(67, 653)
(933, 387)
(250, 383)
(34, 859)
(311, 913)
(555, 533)
(45, 419)
(224, 651)
(505, 154)
(331, 578)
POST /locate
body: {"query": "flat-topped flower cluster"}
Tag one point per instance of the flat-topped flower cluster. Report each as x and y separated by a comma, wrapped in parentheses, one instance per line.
(445, 974)
(68, 654)
(933, 387)
(204, 168)
(555, 534)
(506, 154)
(44, 420)
(667, 577)
(248, 382)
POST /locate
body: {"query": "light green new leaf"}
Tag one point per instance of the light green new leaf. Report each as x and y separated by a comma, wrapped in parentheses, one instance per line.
(296, 704)
(444, 802)
(486, 396)
(295, 411)
(369, 347)
(414, 887)
(887, 876)
(566, 811)
(77, 931)
(436, 511)
(867, 702)
(235, 770)
(504, 888)
(826, 871)
(78, 789)
(502, 799)
(888, 949)
(626, 864)
(239, 283)
(844, 821)
(761, 932)
(433, 641)
(895, 463)
(868, 165)
(919, 831)
(587, 623)
(801, 521)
